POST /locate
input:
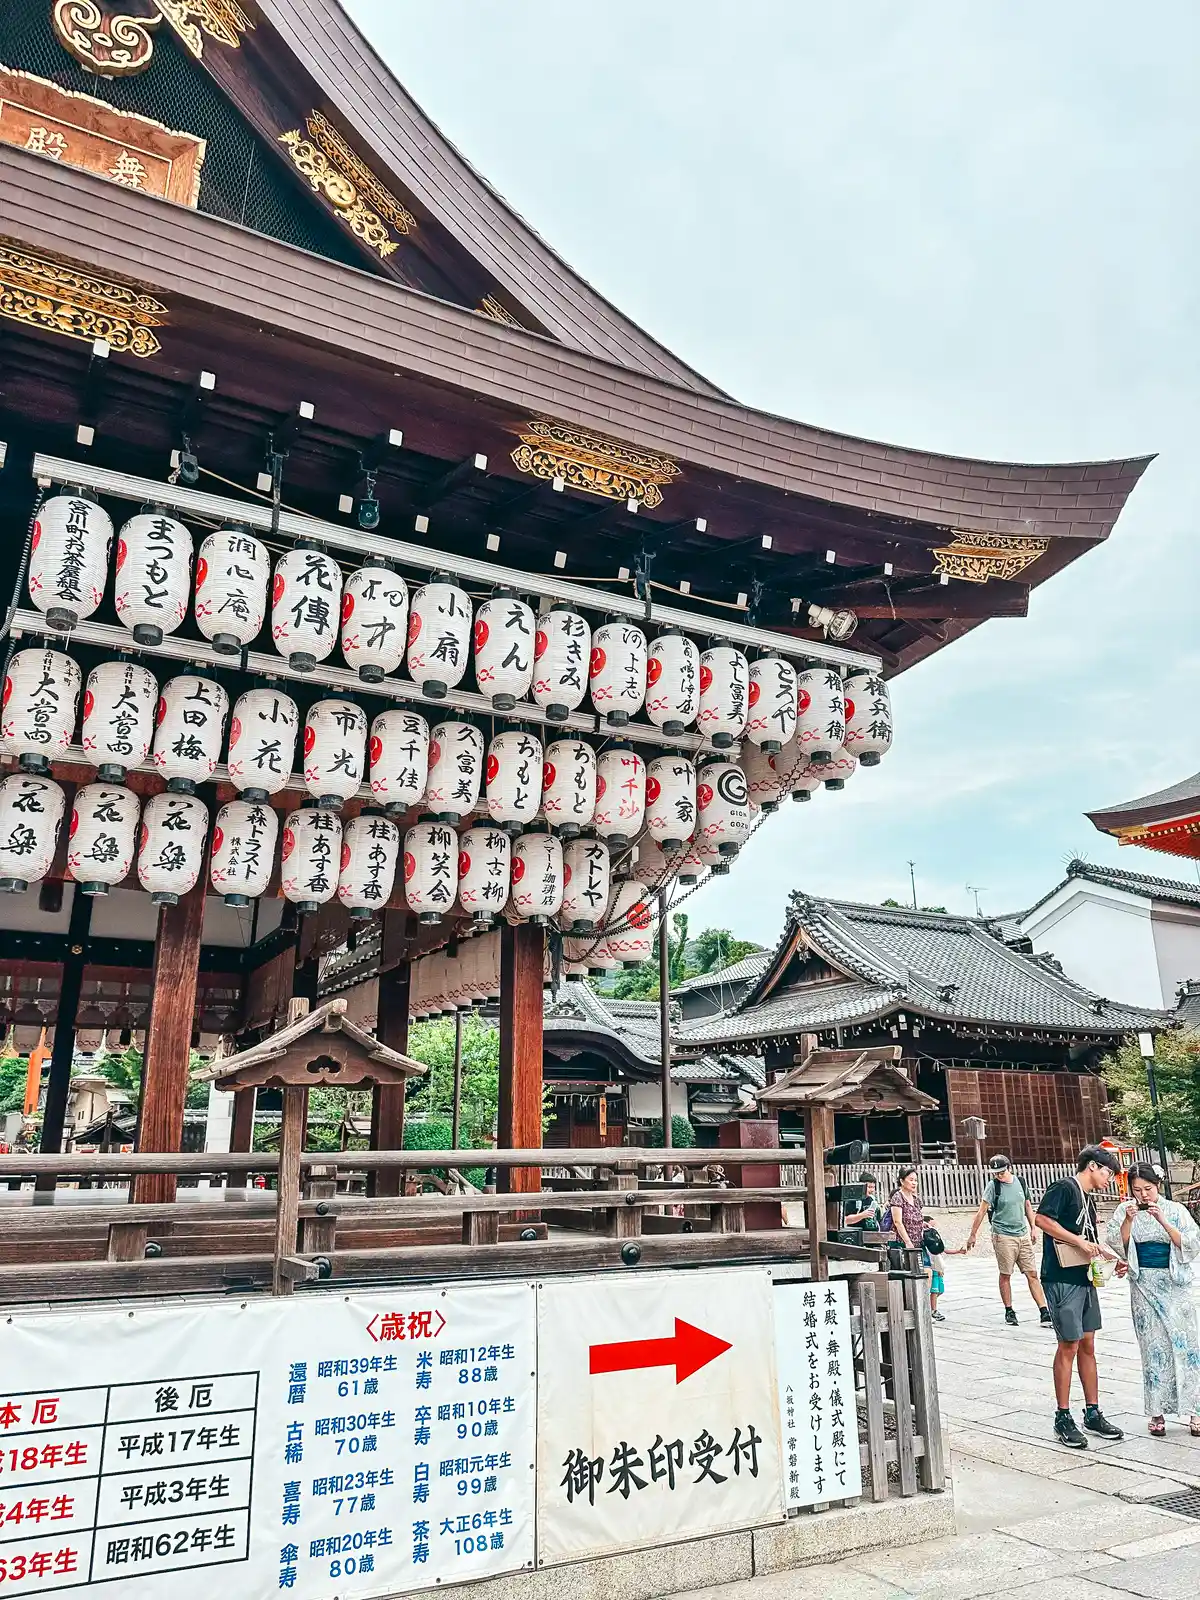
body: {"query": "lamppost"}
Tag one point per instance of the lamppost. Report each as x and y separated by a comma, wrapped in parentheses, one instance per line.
(1146, 1045)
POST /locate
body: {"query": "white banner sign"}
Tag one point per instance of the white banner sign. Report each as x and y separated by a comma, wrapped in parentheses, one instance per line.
(324, 1447)
(816, 1393)
(658, 1415)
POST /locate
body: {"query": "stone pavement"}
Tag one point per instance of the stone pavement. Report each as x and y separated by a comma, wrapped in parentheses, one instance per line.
(1034, 1520)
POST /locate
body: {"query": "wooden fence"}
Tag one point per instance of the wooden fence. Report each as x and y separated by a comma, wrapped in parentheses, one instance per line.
(942, 1186)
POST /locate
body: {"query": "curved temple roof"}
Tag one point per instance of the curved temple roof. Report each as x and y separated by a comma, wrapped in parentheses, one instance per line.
(1167, 820)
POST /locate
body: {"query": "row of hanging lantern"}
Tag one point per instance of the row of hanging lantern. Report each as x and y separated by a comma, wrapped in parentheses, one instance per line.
(555, 659)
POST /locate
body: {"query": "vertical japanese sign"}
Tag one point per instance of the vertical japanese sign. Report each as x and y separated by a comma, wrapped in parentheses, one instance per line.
(327, 1447)
(816, 1393)
(657, 1410)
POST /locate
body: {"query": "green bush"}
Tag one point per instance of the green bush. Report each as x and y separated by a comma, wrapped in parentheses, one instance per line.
(435, 1134)
(683, 1135)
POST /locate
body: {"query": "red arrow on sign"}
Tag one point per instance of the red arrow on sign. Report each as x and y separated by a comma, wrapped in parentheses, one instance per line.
(687, 1351)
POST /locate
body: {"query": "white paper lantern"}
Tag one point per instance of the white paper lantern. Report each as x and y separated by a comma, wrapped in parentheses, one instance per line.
(119, 704)
(374, 621)
(620, 795)
(455, 770)
(430, 870)
(671, 800)
(709, 856)
(653, 864)
(31, 814)
(306, 602)
(335, 751)
(618, 672)
(590, 955)
(561, 657)
(868, 717)
(243, 851)
(836, 773)
(104, 835)
(439, 636)
(537, 876)
(399, 760)
(505, 629)
(587, 881)
(484, 865)
(764, 784)
(233, 575)
(630, 925)
(41, 702)
(489, 964)
(171, 848)
(154, 575)
(723, 813)
(724, 696)
(690, 868)
(370, 853)
(191, 727)
(569, 786)
(514, 778)
(798, 776)
(772, 702)
(672, 683)
(68, 558)
(820, 713)
(418, 990)
(311, 858)
(262, 742)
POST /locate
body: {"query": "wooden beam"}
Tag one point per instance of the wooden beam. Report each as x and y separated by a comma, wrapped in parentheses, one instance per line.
(816, 1120)
(169, 1034)
(914, 1137)
(522, 964)
(387, 1104)
(287, 1206)
(241, 1135)
(63, 1053)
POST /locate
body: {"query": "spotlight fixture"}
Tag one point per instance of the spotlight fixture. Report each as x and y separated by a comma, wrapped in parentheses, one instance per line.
(835, 625)
(368, 506)
(189, 466)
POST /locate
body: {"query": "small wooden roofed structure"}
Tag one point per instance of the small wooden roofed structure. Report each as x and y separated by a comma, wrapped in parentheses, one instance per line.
(849, 1080)
(1167, 820)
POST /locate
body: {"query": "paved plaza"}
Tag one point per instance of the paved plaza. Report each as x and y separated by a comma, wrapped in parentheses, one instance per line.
(1034, 1520)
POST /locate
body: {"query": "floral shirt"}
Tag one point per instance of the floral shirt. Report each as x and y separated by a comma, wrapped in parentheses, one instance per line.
(911, 1213)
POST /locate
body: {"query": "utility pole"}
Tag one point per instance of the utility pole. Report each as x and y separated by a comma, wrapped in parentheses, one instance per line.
(976, 890)
(912, 878)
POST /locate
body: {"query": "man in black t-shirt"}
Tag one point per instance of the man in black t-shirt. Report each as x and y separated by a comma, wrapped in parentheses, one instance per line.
(1070, 1245)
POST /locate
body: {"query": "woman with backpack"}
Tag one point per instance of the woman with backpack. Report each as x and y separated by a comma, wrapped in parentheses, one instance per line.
(1007, 1208)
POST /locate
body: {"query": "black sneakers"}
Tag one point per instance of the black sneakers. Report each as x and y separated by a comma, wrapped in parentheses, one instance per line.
(1010, 1316)
(1067, 1433)
(1047, 1320)
(1096, 1422)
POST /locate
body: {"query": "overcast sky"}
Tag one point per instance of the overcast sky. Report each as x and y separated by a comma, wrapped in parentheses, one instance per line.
(961, 228)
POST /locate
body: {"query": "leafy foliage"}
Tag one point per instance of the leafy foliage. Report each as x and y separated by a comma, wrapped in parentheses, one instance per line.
(14, 1070)
(716, 948)
(898, 905)
(124, 1071)
(683, 1135)
(433, 1043)
(709, 951)
(1177, 1073)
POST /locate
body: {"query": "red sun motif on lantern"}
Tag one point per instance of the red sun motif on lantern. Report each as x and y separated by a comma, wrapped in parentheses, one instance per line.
(435, 753)
(481, 634)
(601, 786)
(653, 790)
(493, 768)
(540, 645)
(289, 844)
(345, 856)
(410, 866)
(201, 572)
(755, 693)
(7, 690)
(235, 731)
(37, 536)
(310, 738)
(654, 669)
(278, 588)
(144, 836)
(122, 552)
(549, 773)
(598, 661)
(347, 606)
(218, 840)
(566, 876)
(639, 916)
(74, 823)
(803, 701)
(161, 712)
(89, 703)
(376, 749)
(414, 628)
(705, 679)
(464, 863)
(849, 712)
(704, 796)
(518, 868)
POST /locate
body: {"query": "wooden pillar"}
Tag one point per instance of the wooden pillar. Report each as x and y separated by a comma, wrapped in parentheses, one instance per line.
(456, 1112)
(287, 1201)
(63, 1053)
(522, 967)
(387, 1105)
(169, 1036)
(914, 1137)
(241, 1135)
(817, 1121)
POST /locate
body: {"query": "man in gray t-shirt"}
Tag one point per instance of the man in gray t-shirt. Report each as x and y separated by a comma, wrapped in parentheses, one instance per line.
(1007, 1206)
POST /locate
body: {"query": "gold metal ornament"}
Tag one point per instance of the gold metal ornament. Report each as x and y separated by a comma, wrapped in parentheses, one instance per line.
(976, 557)
(341, 178)
(193, 20)
(112, 47)
(593, 463)
(45, 292)
(489, 306)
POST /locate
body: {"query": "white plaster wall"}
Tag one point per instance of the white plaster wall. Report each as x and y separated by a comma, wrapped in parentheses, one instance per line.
(1103, 938)
(1177, 946)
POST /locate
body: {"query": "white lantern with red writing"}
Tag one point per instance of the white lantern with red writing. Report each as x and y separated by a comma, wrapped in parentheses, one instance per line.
(836, 773)
(439, 636)
(618, 672)
(41, 702)
(764, 784)
(306, 602)
(399, 749)
(587, 881)
(723, 813)
(233, 577)
(561, 658)
(653, 863)
(505, 630)
(484, 866)
(537, 876)
(620, 795)
(31, 814)
(311, 858)
(724, 696)
(374, 621)
(868, 716)
(370, 855)
(514, 778)
(772, 702)
(569, 786)
(672, 683)
(103, 838)
(243, 851)
(430, 870)
(119, 703)
(690, 868)
(671, 800)
(455, 770)
(190, 730)
(68, 558)
(171, 849)
(798, 776)
(335, 751)
(630, 925)
(262, 742)
(154, 575)
(820, 713)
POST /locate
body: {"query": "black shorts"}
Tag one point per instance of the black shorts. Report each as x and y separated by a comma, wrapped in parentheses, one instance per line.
(1074, 1310)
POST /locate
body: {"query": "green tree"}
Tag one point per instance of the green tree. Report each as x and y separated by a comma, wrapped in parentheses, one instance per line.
(683, 1135)
(715, 948)
(1177, 1072)
(433, 1043)
(14, 1071)
(897, 905)
(123, 1070)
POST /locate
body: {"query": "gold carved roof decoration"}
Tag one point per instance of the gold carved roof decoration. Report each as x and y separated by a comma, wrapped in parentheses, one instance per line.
(593, 463)
(322, 132)
(111, 47)
(976, 557)
(193, 20)
(489, 306)
(46, 292)
(343, 179)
